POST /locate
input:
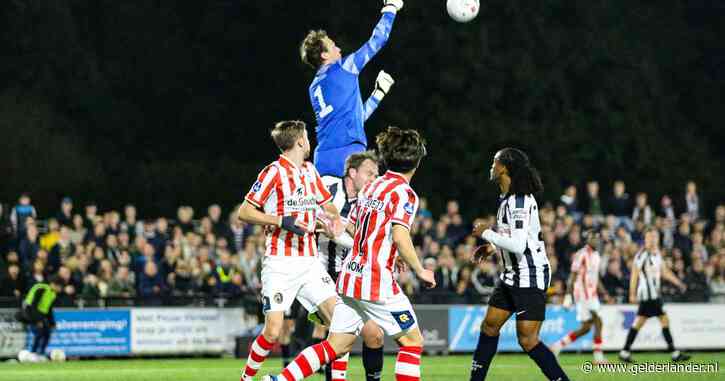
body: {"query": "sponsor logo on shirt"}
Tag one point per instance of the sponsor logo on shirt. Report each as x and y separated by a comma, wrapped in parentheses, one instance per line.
(408, 208)
(257, 187)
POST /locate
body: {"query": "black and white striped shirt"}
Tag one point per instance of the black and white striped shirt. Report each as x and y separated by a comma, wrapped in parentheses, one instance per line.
(326, 247)
(649, 266)
(520, 243)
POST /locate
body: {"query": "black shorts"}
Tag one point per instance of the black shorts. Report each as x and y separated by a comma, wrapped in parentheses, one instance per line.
(526, 303)
(650, 308)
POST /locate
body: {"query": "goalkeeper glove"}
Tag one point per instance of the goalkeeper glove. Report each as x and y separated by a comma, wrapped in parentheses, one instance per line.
(288, 223)
(392, 6)
(382, 85)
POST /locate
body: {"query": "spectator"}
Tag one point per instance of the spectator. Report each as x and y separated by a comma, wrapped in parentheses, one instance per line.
(184, 215)
(69, 286)
(570, 202)
(642, 211)
(20, 214)
(65, 214)
(620, 204)
(215, 217)
(696, 281)
(91, 216)
(614, 281)
(692, 203)
(12, 283)
(90, 292)
(593, 203)
(237, 233)
(130, 223)
(64, 248)
(122, 285)
(150, 285)
(78, 231)
(182, 282)
(666, 208)
(683, 242)
(37, 273)
(29, 246)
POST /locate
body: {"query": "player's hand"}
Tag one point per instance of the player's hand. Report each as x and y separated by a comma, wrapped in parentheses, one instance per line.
(392, 5)
(481, 252)
(400, 265)
(479, 228)
(290, 223)
(427, 277)
(383, 83)
(567, 303)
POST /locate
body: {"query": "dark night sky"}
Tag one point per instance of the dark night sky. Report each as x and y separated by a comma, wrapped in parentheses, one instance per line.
(169, 102)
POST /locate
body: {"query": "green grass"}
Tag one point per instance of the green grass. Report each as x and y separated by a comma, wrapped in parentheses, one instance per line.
(505, 367)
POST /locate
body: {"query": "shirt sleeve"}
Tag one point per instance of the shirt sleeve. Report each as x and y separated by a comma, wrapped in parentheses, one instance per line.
(355, 62)
(370, 106)
(323, 195)
(267, 180)
(405, 206)
(519, 216)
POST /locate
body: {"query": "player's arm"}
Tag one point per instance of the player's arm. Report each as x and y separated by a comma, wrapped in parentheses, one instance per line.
(401, 238)
(355, 62)
(634, 278)
(383, 83)
(602, 291)
(519, 217)
(672, 278)
(251, 215)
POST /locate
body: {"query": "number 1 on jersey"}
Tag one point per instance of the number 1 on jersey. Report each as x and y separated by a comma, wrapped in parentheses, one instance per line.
(325, 109)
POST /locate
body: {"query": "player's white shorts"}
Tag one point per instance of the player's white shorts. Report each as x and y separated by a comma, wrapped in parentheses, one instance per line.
(395, 316)
(584, 309)
(287, 278)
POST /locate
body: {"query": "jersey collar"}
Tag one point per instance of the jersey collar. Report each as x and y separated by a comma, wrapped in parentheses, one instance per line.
(395, 175)
(286, 162)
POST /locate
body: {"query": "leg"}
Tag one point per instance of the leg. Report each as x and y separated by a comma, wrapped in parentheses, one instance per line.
(285, 337)
(45, 338)
(597, 340)
(528, 335)
(344, 328)
(571, 337)
(625, 354)
(407, 365)
(372, 351)
(488, 341)
(676, 355)
(261, 346)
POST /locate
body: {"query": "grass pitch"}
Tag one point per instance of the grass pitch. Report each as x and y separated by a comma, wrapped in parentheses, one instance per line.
(505, 367)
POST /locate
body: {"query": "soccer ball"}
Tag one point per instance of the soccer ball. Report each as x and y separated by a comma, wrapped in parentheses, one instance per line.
(463, 10)
(24, 356)
(57, 355)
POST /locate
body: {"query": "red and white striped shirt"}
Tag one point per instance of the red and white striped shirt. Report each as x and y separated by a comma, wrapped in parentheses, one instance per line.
(283, 189)
(367, 272)
(586, 263)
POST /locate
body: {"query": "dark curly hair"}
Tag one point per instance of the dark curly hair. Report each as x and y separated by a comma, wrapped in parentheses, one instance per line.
(525, 178)
(400, 150)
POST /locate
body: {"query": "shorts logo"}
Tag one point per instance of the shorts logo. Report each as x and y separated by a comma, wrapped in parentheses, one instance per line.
(257, 187)
(404, 319)
(408, 208)
(266, 305)
(278, 298)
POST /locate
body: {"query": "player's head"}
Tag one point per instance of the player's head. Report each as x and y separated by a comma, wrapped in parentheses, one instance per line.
(592, 237)
(514, 164)
(651, 238)
(291, 135)
(318, 49)
(361, 168)
(401, 150)
(56, 283)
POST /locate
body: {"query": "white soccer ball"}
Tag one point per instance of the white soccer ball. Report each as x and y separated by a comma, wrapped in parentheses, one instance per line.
(24, 356)
(463, 10)
(57, 355)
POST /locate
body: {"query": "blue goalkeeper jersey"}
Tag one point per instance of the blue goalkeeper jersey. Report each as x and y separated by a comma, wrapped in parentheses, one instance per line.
(338, 106)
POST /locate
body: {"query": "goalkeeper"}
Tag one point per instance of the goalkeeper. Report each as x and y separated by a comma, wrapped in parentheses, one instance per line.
(335, 92)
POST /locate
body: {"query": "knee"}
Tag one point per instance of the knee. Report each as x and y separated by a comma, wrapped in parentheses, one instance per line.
(373, 336)
(489, 329)
(272, 331)
(528, 342)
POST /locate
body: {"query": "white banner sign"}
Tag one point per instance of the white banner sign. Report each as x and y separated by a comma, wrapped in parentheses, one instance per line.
(693, 326)
(187, 330)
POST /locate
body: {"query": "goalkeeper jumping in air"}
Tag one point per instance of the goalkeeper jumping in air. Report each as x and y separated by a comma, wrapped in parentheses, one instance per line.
(335, 92)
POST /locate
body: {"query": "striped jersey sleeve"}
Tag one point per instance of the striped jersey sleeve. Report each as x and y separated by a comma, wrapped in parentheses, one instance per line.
(263, 187)
(404, 203)
(322, 194)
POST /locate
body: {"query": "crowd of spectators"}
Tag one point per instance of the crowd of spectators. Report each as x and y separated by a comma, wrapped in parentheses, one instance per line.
(114, 255)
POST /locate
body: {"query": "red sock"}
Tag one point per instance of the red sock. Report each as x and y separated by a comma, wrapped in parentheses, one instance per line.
(597, 344)
(258, 353)
(308, 362)
(339, 368)
(407, 366)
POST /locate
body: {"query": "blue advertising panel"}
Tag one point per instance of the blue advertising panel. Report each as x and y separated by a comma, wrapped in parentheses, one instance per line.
(90, 333)
(464, 326)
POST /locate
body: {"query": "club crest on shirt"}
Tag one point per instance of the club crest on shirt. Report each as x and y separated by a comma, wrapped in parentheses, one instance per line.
(408, 208)
(257, 187)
